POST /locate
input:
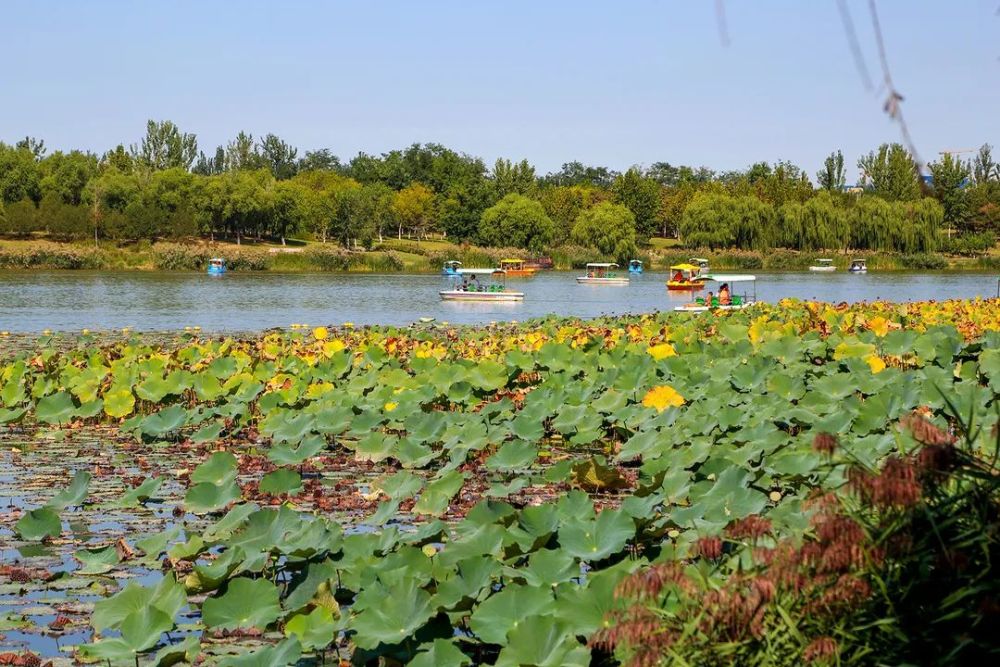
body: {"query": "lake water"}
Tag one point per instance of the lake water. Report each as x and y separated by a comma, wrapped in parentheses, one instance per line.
(72, 300)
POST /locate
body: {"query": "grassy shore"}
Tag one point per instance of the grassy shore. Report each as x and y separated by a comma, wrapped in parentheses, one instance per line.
(425, 256)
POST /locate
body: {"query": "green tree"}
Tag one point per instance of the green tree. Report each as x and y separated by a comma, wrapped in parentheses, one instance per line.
(832, 177)
(414, 207)
(462, 206)
(287, 208)
(35, 146)
(609, 228)
(118, 159)
(165, 147)
(577, 173)
(640, 195)
(951, 176)
(890, 173)
(376, 208)
(279, 157)
(66, 175)
(516, 221)
(718, 220)
(564, 203)
(985, 169)
(242, 154)
(19, 218)
(819, 224)
(19, 174)
(322, 159)
(514, 178)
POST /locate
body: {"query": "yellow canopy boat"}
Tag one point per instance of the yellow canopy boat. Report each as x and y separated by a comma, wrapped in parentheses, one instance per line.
(517, 268)
(685, 277)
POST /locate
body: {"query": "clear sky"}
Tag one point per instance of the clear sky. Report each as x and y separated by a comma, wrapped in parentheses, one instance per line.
(607, 83)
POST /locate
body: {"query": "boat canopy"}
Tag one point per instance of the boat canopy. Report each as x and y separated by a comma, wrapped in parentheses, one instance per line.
(602, 265)
(216, 260)
(700, 260)
(858, 261)
(453, 262)
(479, 272)
(635, 262)
(825, 261)
(683, 267)
(730, 277)
(512, 261)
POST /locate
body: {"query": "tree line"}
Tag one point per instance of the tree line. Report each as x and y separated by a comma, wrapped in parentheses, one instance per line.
(164, 186)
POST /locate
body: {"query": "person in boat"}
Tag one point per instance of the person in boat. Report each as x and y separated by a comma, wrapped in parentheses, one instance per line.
(708, 300)
(724, 296)
(678, 277)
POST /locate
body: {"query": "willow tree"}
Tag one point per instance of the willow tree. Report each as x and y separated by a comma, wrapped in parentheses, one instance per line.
(754, 223)
(875, 224)
(707, 221)
(608, 228)
(923, 221)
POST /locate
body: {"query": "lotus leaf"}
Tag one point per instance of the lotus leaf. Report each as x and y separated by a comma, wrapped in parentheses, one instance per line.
(500, 613)
(39, 524)
(281, 481)
(247, 603)
(286, 652)
(313, 630)
(597, 539)
(544, 642)
(57, 408)
(392, 623)
(440, 653)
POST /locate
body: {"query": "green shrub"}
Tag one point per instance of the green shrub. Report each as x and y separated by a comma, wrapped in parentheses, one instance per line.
(970, 245)
(50, 256)
(923, 261)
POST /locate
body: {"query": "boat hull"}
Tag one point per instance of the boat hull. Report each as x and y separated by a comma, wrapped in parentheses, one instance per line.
(459, 295)
(822, 269)
(858, 271)
(521, 273)
(585, 280)
(699, 308)
(216, 272)
(685, 286)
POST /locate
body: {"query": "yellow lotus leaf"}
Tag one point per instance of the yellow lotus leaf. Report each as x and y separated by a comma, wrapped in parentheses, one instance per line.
(662, 397)
(320, 333)
(317, 389)
(390, 406)
(661, 351)
(879, 326)
(875, 363)
(332, 347)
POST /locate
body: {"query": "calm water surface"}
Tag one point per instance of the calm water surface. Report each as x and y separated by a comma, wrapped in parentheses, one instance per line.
(32, 301)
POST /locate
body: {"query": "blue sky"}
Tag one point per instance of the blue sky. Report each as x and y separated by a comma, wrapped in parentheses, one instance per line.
(606, 83)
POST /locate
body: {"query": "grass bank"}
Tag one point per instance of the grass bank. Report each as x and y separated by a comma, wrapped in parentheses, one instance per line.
(427, 256)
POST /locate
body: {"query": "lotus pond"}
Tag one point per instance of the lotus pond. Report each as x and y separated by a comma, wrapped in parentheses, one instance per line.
(429, 495)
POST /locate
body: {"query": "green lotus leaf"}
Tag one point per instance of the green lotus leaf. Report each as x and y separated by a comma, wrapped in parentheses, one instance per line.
(285, 454)
(437, 495)
(548, 567)
(392, 623)
(12, 415)
(313, 630)
(207, 433)
(208, 497)
(594, 540)
(498, 490)
(281, 481)
(286, 652)
(400, 485)
(141, 493)
(207, 387)
(155, 544)
(58, 408)
(119, 402)
(440, 653)
(111, 613)
(247, 603)
(167, 420)
(72, 494)
(219, 469)
(515, 455)
(153, 389)
(234, 520)
(97, 561)
(503, 612)
(38, 524)
(184, 651)
(469, 578)
(141, 630)
(542, 641)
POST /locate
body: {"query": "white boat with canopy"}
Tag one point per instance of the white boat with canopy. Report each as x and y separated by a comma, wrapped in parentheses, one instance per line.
(823, 266)
(603, 273)
(481, 285)
(728, 291)
(702, 265)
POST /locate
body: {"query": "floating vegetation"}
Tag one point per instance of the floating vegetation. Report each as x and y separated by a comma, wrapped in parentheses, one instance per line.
(431, 494)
